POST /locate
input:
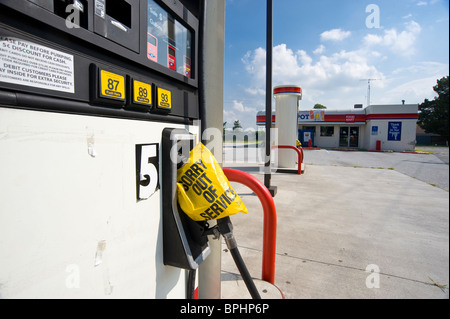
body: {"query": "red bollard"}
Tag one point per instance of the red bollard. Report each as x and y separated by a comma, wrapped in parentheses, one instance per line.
(270, 219)
(299, 152)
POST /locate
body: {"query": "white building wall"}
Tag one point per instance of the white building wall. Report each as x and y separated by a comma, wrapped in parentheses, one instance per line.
(375, 115)
(392, 109)
(362, 135)
(408, 131)
(333, 141)
(327, 141)
(408, 137)
(369, 141)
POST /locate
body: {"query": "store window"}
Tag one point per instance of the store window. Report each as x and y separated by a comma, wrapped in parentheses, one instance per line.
(310, 128)
(326, 130)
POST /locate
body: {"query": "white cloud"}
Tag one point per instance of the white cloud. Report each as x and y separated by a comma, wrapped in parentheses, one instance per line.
(255, 63)
(255, 91)
(229, 116)
(401, 43)
(415, 91)
(415, 82)
(335, 35)
(336, 76)
(241, 108)
(373, 39)
(320, 49)
(426, 68)
(334, 79)
(424, 3)
(237, 110)
(290, 67)
(413, 27)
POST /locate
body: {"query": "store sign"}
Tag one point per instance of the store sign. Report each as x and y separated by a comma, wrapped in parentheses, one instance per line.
(350, 118)
(374, 130)
(306, 137)
(395, 131)
(312, 116)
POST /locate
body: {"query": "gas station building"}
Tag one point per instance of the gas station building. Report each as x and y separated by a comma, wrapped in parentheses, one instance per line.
(377, 127)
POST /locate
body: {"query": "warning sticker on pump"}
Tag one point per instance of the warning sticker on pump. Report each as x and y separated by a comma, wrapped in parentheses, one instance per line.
(29, 64)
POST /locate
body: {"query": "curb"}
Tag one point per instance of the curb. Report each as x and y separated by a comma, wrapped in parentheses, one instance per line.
(375, 151)
(415, 152)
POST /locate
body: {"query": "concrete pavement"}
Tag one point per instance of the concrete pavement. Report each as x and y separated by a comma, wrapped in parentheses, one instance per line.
(429, 168)
(349, 232)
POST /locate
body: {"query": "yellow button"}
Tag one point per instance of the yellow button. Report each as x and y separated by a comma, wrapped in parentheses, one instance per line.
(142, 93)
(164, 99)
(112, 85)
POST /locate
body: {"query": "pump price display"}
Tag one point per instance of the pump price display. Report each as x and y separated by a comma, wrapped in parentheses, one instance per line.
(112, 85)
(142, 93)
(164, 99)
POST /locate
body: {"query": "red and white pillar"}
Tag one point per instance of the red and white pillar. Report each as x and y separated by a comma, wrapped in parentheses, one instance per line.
(287, 98)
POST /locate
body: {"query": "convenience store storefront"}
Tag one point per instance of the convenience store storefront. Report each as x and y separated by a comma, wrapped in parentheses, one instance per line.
(382, 127)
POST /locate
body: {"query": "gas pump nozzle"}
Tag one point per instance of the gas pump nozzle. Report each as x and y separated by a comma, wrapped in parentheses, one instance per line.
(199, 174)
(226, 229)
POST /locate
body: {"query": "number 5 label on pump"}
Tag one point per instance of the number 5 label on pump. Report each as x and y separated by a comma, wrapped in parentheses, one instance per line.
(112, 85)
(147, 170)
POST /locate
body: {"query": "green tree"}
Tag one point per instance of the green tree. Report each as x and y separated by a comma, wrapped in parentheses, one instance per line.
(237, 125)
(319, 106)
(224, 130)
(433, 115)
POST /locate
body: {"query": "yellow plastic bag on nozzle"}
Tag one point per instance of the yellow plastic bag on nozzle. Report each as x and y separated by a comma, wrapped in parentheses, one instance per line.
(204, 192)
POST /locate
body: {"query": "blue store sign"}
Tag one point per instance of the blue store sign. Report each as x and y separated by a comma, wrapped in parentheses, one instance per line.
(395, 131)
(374, 130)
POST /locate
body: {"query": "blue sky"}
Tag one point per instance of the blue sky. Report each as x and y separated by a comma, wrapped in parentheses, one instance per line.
(328, 46)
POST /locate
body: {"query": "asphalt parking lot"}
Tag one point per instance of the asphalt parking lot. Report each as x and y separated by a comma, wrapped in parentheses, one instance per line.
(429, 168)
(356, 225)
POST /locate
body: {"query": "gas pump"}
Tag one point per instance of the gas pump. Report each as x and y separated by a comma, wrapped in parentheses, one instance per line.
(92, 101)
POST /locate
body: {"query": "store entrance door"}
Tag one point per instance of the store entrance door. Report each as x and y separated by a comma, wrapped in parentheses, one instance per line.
(349, 137)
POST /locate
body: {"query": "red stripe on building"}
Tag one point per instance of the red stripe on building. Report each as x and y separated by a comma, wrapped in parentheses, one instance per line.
(287, 89)
(412, 116)
(352, 118)
(262, 119)
(348, 118)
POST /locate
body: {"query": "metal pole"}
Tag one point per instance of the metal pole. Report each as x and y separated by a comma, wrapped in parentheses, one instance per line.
(269, 48)
(211, 80)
